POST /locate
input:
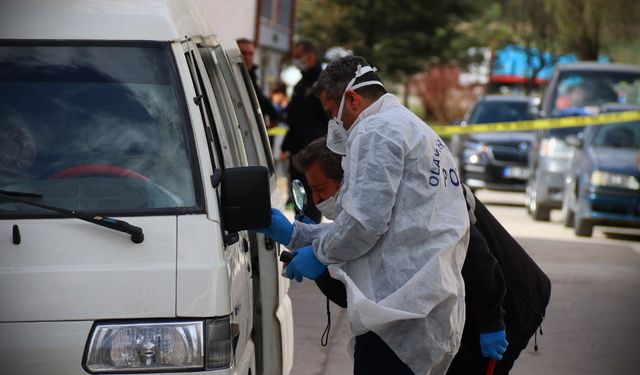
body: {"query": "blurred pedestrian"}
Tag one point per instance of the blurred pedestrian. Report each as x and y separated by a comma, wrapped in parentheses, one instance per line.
(304, 114)
(279, 99)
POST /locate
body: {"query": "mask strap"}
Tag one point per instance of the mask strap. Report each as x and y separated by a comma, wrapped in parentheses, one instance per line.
(366, 83)
(360, 71)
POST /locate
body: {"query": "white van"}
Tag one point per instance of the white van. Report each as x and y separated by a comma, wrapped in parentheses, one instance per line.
(133, 159)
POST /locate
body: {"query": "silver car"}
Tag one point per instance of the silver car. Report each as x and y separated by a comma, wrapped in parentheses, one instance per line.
(574, 90)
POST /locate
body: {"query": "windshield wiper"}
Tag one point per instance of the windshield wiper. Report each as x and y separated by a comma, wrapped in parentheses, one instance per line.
(104, 221)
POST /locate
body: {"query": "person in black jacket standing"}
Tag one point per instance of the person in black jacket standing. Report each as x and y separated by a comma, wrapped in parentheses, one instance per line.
(304, 114)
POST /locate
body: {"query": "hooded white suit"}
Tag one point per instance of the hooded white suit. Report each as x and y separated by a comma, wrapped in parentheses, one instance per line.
(399, 238)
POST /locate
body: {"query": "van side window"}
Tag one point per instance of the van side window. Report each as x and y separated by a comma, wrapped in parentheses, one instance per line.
(203, 102)
(264, 138)
(247, 109)
(228, 124)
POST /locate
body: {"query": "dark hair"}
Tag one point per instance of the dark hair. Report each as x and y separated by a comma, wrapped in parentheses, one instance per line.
(317, 151)
(279, 87)
(336, 76)
(308, 46)
(244, 41)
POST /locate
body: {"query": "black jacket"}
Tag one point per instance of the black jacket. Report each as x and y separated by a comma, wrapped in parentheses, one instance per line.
(528, 293)
(304, 114)
(485, 292)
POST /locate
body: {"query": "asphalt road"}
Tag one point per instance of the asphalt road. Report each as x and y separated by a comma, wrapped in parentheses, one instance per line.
(593, 319)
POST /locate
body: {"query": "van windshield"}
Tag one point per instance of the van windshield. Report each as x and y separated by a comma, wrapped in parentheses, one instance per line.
(93, 128)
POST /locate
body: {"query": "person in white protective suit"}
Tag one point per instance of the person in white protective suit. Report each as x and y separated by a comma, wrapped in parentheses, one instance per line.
(400, 232)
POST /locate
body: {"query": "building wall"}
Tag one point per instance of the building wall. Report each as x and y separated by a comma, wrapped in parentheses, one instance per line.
(230, 20)
(275, 31)
(235, 19)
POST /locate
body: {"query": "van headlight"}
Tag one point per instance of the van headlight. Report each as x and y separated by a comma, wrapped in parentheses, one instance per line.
(159, 346)
(601, 178)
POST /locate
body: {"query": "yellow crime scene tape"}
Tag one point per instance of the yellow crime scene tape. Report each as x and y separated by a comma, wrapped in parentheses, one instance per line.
(495, 127)
(278, 130)
(548, 123)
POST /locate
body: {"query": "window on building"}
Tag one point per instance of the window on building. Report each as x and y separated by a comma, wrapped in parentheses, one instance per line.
(284, 12)
(267, 9)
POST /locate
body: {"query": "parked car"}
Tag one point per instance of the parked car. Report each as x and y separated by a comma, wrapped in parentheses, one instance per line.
(133, 162)
(603, 181)
(496, 161)
(574, 89)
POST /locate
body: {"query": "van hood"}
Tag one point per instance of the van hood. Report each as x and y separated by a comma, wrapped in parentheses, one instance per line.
(615, 159)
(67, 269)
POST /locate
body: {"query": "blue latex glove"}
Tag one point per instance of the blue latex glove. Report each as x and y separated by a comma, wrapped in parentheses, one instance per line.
(493, 344)
(305, 219)
(280, 230)
(305, 264)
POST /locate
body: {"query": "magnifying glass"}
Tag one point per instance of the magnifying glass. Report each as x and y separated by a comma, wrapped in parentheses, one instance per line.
(299, 195)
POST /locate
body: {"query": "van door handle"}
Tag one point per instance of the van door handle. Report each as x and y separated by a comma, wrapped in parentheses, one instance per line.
(269, 243)
(245, 244)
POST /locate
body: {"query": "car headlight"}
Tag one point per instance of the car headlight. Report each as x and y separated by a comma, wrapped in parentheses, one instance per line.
(160, 346)
(601, 178)
(554, 148)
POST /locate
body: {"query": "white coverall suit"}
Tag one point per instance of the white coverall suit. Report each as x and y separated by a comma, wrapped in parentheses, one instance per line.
(399, 238)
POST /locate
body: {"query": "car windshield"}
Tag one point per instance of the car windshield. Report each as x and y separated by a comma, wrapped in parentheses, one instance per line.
(618, 135)
(583, 92)
(94, 128)
(500, 111)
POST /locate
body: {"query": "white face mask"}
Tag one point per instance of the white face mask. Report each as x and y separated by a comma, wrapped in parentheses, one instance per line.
(336, 133)
(328, 207)
(336, 137)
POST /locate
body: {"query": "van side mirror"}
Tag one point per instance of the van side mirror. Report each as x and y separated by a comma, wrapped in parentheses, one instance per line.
(246, 200)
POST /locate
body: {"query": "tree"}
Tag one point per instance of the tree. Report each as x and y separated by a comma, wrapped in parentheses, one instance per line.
(533, 27)
(398, 36)
(322, 21)
(586, 26)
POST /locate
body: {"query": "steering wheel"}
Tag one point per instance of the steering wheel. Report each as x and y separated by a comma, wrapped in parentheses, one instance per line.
(98, 170)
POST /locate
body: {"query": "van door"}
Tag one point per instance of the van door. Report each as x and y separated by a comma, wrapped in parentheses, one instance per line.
(226, 151)
(269, 288)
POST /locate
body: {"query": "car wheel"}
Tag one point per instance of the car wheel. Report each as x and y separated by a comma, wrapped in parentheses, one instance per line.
(568, 217)
(540, 213)
(527, 198)
(583, 227)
